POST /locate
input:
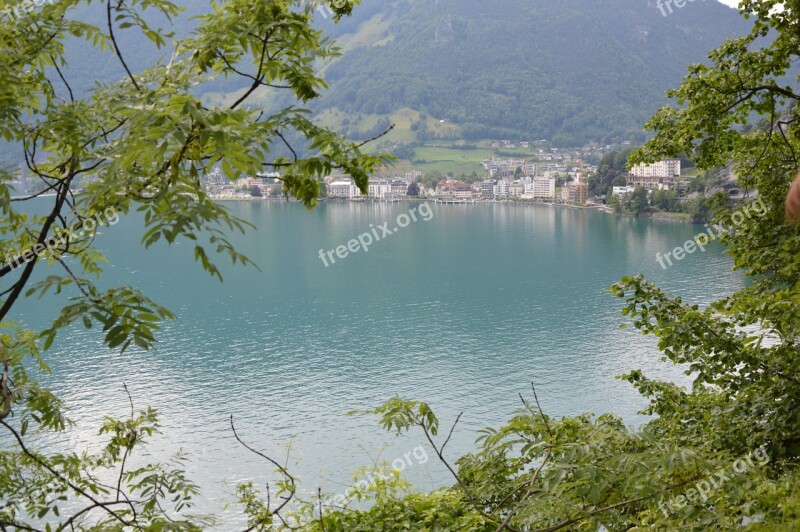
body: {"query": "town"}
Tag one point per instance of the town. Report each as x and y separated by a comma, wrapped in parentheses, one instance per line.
(505, 180)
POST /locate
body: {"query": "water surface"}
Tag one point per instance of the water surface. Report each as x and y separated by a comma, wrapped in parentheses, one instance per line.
(464, 311)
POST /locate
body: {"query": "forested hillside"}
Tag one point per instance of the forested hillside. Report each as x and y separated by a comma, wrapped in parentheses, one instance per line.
(569, 71)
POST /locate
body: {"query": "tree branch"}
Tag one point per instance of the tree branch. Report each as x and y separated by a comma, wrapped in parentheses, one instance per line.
(116, 46)
(78, 490)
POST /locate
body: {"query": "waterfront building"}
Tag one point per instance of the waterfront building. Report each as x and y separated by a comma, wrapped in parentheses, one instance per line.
(487, 188)
(343, 188)
(501, 189)
(572, 192)
(516, 189)
(400, 188)
(543, 187)
(454, 189)
(379, 188)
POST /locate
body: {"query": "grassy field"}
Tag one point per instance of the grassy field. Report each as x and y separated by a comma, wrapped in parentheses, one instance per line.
(402, 120)
(374, 32)
(444, 167)
(442, 159)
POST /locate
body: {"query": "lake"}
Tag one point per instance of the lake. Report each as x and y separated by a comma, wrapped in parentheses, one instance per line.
(463, 311)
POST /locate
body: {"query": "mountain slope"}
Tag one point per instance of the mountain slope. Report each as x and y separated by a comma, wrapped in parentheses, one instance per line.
(569, 70)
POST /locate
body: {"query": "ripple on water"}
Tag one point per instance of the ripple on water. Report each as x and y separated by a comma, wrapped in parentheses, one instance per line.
(463, 312)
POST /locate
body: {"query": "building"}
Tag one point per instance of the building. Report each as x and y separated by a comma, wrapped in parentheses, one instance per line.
(648, 182)
(543, 188)
(570, 193)
(379, 188)
(343, 188)
(463, 191)
(487, 188)
(620, 191)
(400, 188)
(454, 189)
(665, 168)
(507, 167)
(501, 189)
(516, 189)
(674, 183)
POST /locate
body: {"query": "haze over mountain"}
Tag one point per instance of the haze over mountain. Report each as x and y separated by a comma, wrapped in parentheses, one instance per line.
(570, 71)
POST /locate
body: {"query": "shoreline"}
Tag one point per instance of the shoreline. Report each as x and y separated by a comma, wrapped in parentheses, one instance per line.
(663, 217)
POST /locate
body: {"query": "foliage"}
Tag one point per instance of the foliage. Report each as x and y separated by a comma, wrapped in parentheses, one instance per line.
(687, 468)
(144, 142)
(666, 200)
(637, 201)
(610, 172)
(698, 209)
(615, 203)
(634, 203)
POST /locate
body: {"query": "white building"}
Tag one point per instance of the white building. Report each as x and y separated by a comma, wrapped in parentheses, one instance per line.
(501, 189)
(343, 189)
(487, 188)
(517, 188)
(544, 187)
(665, 168)
(380, 188)
(620, 191)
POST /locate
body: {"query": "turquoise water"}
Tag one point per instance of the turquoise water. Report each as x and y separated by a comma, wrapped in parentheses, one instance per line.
(463, 311)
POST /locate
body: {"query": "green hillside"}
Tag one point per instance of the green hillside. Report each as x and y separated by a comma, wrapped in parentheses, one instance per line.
(568, 71)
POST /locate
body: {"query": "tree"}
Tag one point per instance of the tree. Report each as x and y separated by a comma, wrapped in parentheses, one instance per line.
(719, 455)
(698, 209)
(255, 192)
(666, 200)
(276, 191)
(638, 201)
(413, 189)
(611, 172)
(146, 141)
(722, 454)
(620, 181)
(431, 179)
(615, 203)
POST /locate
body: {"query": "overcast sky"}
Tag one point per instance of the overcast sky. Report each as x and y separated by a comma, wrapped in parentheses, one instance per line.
(732, 3)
